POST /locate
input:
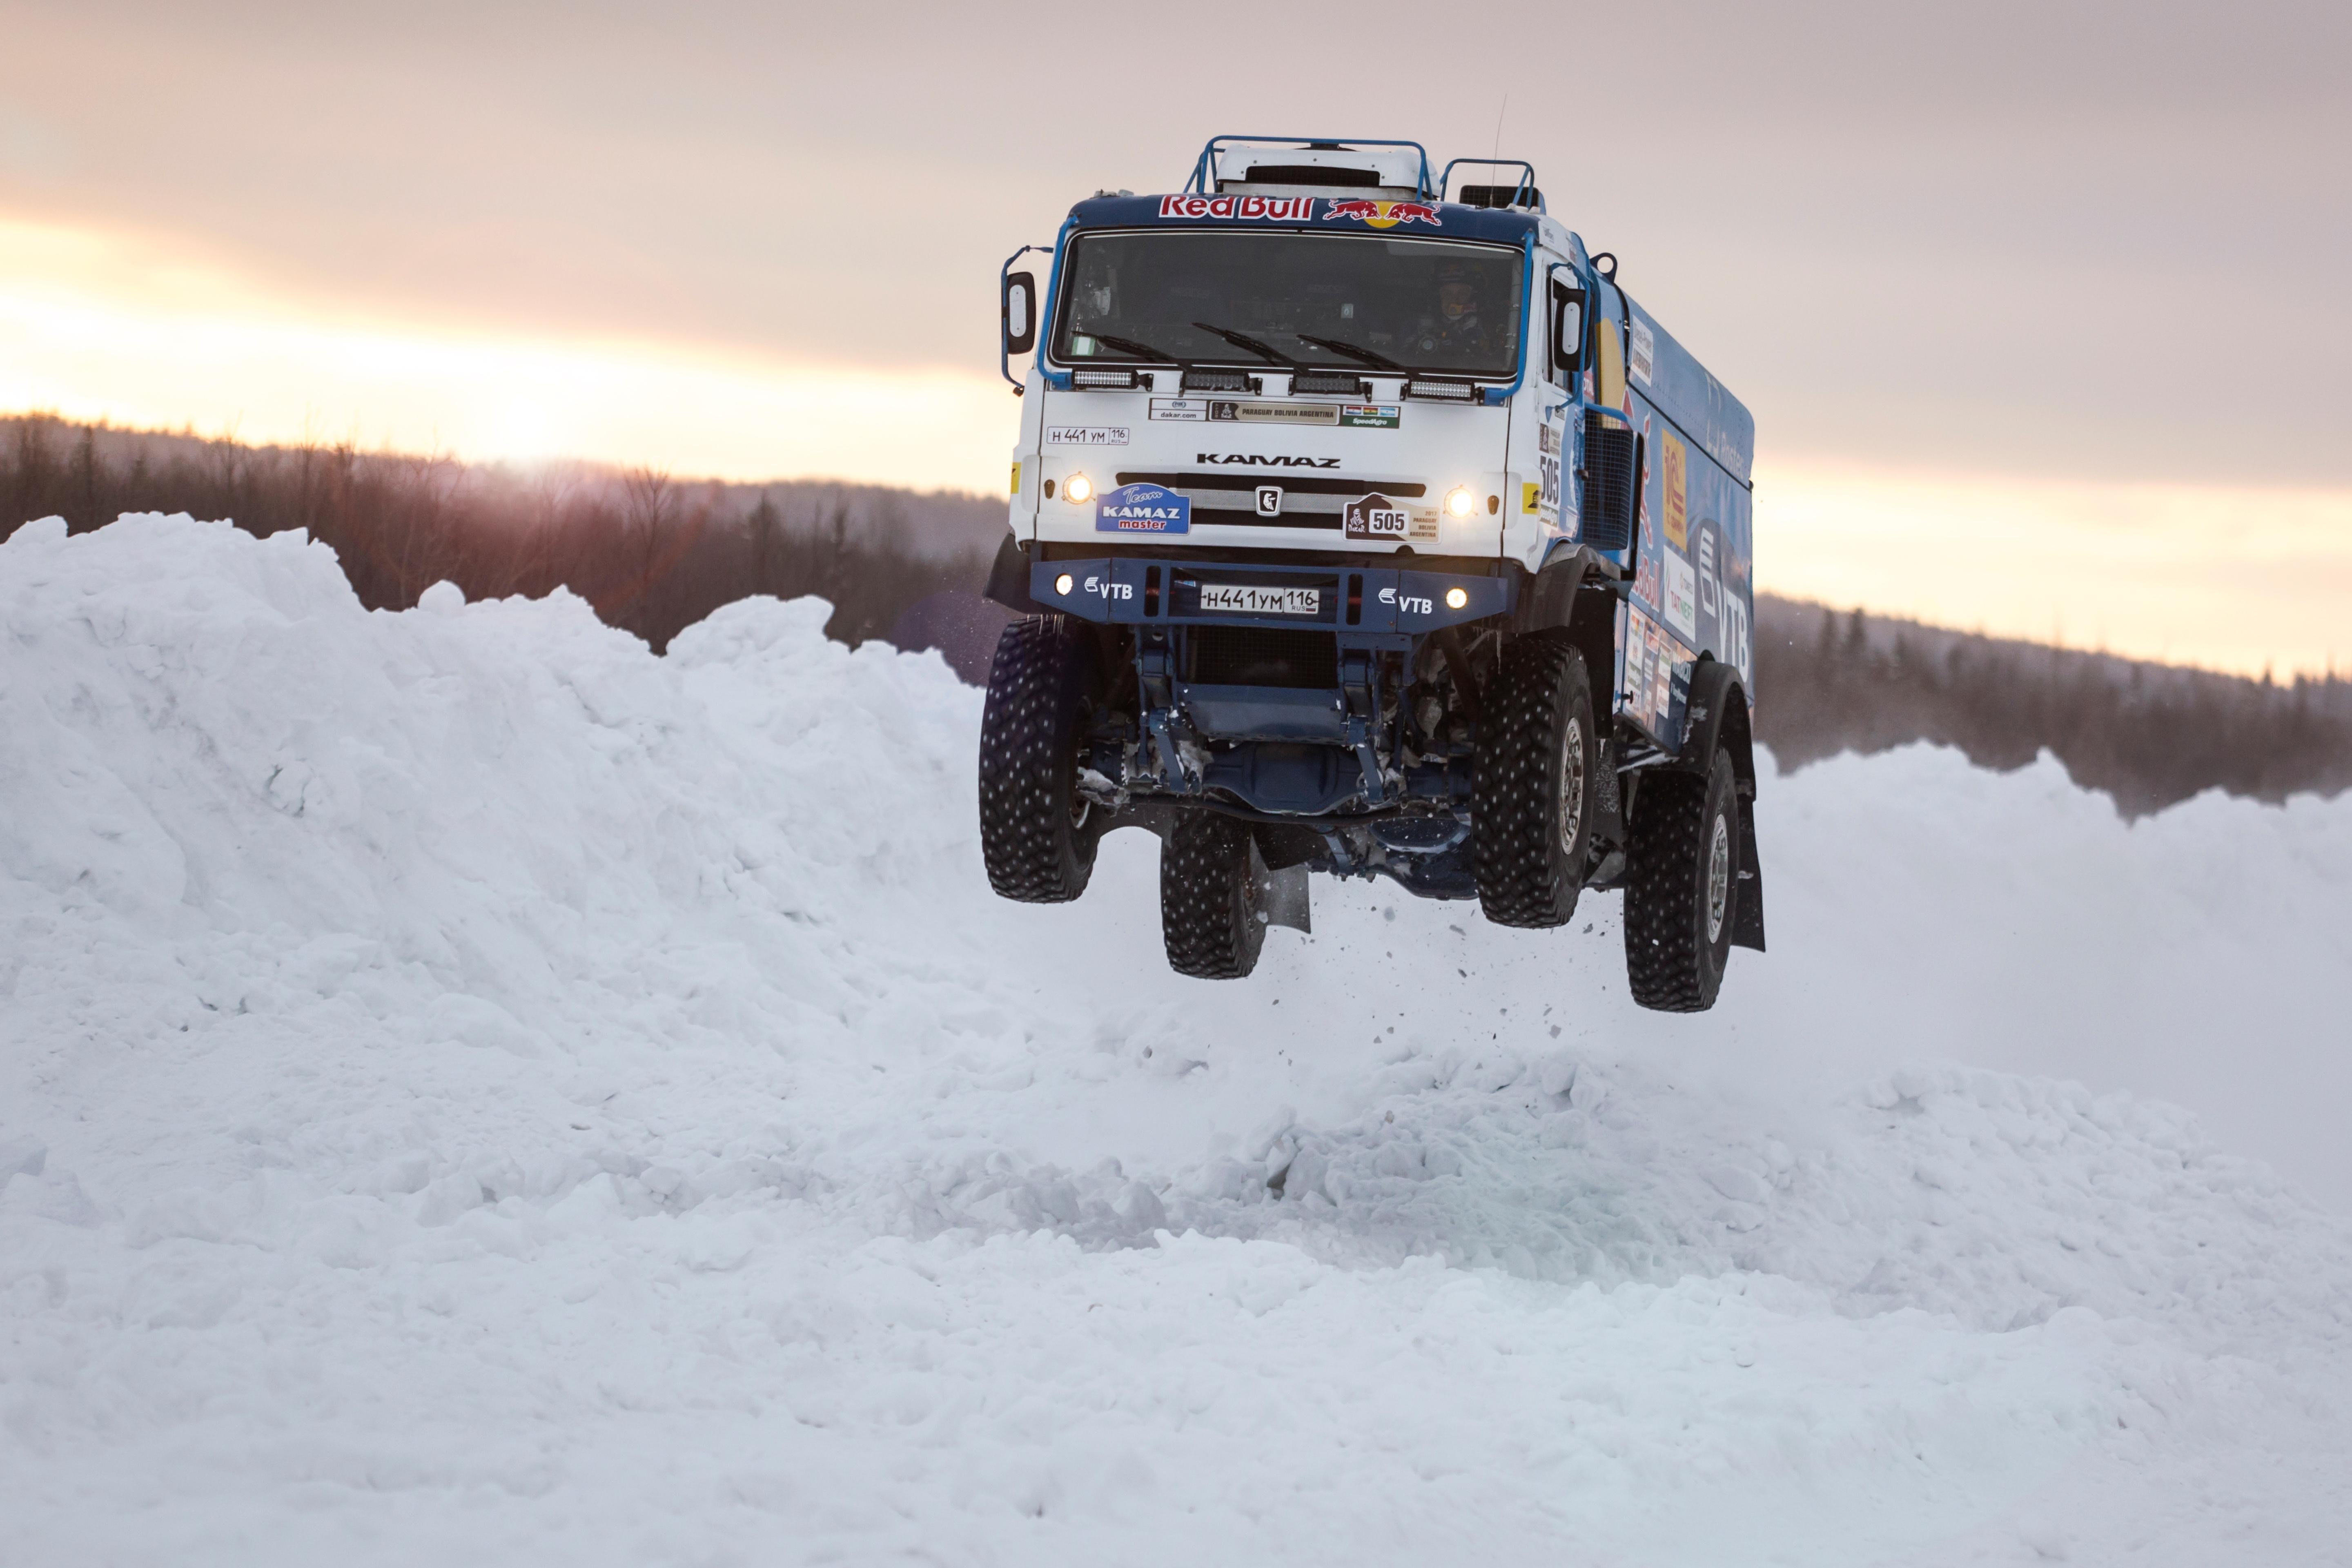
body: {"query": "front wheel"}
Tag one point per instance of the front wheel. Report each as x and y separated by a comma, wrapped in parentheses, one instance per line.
(1536, 777)
(1037, 832)
(1212, 911)
(1682, 887)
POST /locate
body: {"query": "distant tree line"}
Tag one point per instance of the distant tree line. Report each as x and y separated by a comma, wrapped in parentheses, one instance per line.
(2148, 734)
(654, 554)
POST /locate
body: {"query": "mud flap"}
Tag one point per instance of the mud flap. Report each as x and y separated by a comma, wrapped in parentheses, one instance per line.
(1283, 894)
(1008, 580)
(1747, 915)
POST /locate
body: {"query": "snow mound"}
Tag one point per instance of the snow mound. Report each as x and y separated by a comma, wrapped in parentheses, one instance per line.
(471, 1089)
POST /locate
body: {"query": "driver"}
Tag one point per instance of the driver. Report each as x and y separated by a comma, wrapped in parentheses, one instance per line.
(1456, 326)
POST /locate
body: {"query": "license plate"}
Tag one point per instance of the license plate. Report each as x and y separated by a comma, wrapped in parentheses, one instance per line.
(1241, 599)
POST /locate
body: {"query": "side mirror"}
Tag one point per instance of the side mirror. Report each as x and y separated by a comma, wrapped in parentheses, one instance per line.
(1020, 312)
(1567, 327)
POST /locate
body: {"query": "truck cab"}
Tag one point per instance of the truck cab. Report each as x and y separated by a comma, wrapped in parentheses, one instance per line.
(1344, 495)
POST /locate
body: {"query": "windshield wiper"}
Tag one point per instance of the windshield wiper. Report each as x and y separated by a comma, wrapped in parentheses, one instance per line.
(1129, 346)
(1377, 361)
(1244, 340)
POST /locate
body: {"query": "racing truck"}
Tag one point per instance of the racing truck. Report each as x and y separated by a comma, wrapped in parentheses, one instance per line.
(1361, 522)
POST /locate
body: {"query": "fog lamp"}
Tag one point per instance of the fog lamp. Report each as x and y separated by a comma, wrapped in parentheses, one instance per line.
(1078, 488)
(1457, 598)
(1459, 501)
(1064, 584)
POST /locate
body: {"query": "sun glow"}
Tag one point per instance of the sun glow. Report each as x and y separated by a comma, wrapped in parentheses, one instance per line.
(96, 327)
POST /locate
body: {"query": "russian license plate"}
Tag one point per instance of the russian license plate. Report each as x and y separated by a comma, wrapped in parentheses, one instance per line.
(1243, 599)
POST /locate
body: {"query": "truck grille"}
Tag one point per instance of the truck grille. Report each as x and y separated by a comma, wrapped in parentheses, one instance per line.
(1251, 656)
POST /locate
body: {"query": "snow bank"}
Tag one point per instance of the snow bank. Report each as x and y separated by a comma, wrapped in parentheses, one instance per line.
(471, 1090)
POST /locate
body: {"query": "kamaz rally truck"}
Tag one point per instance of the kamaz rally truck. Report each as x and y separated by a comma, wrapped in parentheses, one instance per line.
(1362, 528)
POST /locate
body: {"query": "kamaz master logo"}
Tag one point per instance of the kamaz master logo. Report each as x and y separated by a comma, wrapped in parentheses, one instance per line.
(1253, 460)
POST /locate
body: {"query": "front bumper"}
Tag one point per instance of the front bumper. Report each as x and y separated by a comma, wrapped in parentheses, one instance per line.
(1366, 605)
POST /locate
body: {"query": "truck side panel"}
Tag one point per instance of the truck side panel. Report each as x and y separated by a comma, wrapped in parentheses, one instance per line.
(1694, 581)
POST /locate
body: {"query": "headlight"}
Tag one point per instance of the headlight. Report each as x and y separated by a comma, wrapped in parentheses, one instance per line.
(1459, 501)
(1457, 598)
(1064, 584)
(1078, 489)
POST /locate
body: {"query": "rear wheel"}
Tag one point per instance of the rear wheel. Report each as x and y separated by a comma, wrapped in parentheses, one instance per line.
(1682, 887)
(1537, 773)
(1037, 832)
(1211, 910)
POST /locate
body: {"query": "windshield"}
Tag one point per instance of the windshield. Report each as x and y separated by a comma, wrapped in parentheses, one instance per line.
(1359, 302)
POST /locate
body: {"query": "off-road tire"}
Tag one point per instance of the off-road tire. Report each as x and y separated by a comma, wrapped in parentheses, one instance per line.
(1682, 887)
(1536, 787)
(1211, 913)
(1037, 833)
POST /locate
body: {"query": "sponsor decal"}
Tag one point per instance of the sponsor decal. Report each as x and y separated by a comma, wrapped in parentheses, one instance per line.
(1529, 492)
(1104, 588)
(1424, 523)
(1017, 478)
(1681, 597)
(1245, 599)
(1258, 209)
(1260, 461)
(1645, 579)
(1646, 352)
(1369, 416)
(1649, 690)
(1723, 628)
(1086, 435)
(1189, 410)
(1375, 517)
(1277, 413)
(1381, 215)
(1142, 508)
(1269, 501)
(1675, 468)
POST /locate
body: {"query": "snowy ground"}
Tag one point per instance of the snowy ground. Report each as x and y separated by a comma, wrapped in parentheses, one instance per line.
(472, 1091)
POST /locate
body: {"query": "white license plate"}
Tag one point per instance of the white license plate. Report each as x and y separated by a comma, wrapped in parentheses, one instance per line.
(1241, 599)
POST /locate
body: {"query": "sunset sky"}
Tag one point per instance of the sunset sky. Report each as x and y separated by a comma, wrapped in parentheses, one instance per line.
(2041, 308)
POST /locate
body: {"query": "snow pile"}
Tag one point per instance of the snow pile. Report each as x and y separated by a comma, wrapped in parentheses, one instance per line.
(470, 1089)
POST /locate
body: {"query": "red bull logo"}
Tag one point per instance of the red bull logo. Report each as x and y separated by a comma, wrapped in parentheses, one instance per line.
(1382, 215)
(1300, 209)
(1268, 209)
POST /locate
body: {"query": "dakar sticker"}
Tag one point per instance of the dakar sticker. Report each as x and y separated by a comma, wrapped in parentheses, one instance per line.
(1190, 410)
(1086, 435)
(1264, 209)
(1142, 508)
(1424, 523)
(1675, 468)
(1382, 215)
(1374, 517)
(1646, 352)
